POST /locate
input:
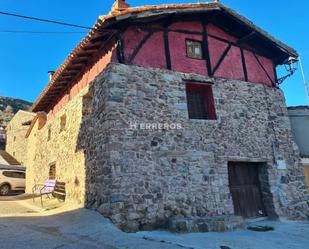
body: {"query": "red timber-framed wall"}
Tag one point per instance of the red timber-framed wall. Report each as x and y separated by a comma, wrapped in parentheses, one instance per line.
(164, 46)
(223, 55)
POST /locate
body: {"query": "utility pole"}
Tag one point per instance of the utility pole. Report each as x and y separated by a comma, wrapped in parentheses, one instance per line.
(304, 79)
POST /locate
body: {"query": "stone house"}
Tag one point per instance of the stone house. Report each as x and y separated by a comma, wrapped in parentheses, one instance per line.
(170, 110)
(299, 116)
(16, 129)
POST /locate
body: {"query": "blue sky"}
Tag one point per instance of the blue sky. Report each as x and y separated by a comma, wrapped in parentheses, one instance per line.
(26, 58)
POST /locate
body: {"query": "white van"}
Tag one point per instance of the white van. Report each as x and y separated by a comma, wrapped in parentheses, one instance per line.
(12, 178)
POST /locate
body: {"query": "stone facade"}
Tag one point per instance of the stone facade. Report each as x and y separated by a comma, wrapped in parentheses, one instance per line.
(16, 144)
(57, 144)
(300, 129)
(222, 223)
(141, 177)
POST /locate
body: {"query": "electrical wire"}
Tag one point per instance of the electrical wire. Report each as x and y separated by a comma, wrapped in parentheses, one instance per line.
(53, 22)
(39, 32)
(44, 20)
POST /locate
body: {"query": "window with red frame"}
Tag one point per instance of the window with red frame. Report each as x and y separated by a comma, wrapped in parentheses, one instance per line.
(200, 101)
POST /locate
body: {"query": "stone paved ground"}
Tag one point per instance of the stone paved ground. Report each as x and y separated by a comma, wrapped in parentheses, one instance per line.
(15, 205)
(78, 229)
(86, 229)
(287, 235)
(10, 207)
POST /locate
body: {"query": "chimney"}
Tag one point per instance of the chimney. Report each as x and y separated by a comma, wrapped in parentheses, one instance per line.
(51, 73)
(119, 5)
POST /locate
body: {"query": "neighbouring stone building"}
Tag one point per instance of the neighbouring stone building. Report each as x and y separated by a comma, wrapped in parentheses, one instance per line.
(170, 110)
(299, 116)
(16, 130)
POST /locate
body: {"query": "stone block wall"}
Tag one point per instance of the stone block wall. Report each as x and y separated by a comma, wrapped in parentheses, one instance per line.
(58, 143)
(300, 127)
(140, 177)
(16, 142)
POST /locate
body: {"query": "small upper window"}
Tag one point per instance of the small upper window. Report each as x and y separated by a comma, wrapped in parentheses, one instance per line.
(52, 171)
(194, 49)
(200, 101)
(63, 122)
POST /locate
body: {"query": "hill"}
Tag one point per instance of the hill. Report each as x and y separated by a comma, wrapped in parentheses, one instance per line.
(8, 108)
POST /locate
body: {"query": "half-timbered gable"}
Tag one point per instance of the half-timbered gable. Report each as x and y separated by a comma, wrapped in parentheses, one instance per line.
(157, 36)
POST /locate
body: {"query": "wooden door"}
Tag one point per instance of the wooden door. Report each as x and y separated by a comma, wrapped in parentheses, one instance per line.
(245, 189)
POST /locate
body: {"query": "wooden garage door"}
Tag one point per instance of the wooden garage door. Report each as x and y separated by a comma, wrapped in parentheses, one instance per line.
(245, 189)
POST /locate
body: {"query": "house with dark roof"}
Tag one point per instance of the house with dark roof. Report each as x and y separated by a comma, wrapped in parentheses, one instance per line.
(170, 110)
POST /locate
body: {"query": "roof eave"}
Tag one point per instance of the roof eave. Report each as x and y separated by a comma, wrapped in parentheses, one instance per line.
(105, 22)
(282, 46)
